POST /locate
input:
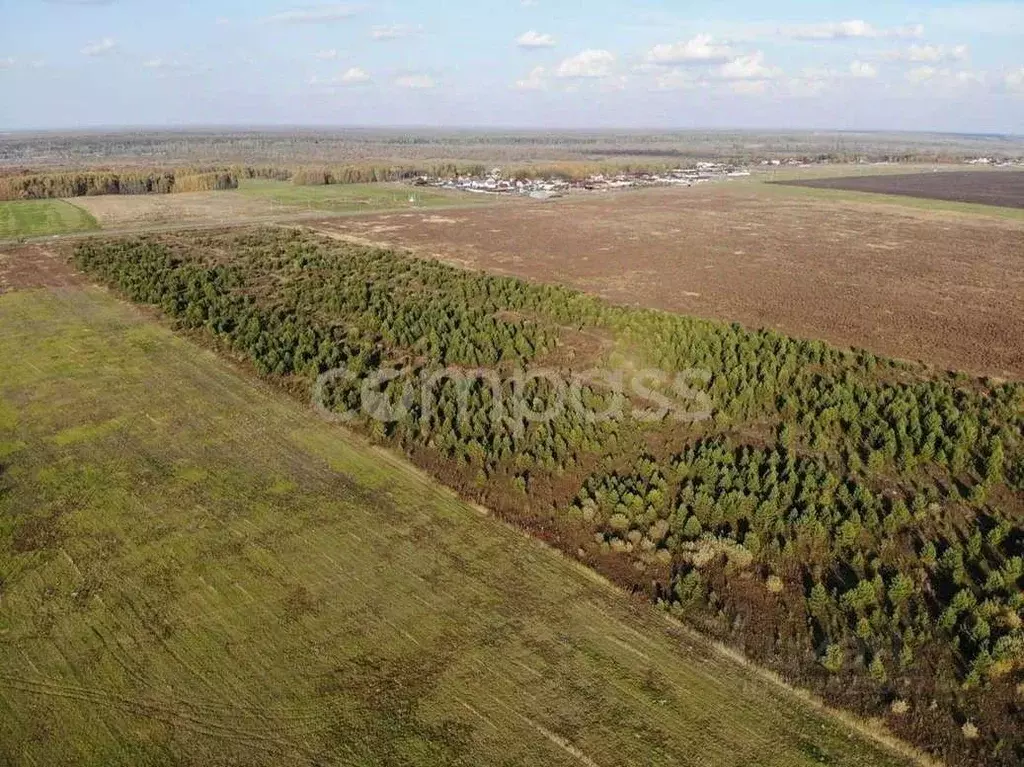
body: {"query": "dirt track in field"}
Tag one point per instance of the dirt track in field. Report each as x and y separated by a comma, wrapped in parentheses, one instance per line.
(940, 287)
(1005, 188)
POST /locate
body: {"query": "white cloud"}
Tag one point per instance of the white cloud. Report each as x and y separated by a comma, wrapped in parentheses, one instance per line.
(315, 14)
(222, 21)
(615, 83)
(806, 86)
(748, 87)
(966, 77)
(354, 76)
(864, 69)
(588, 63)
(99, 47)
(853, 29)
(351, 76)
(154, 64)
(416, 82)
(701, 49)
(529, 3)
(676, 79)
(930, 54)
(393, 32)
(921, 74)
(6, 63)
(751, 67)
(327, 55)
(535, 81)
(534, 39)
(820, 73)
(813, 81)
(1015, 80)
(945, 78)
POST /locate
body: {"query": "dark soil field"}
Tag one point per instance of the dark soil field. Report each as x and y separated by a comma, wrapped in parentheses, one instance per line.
(941, 287)
(1004, 188)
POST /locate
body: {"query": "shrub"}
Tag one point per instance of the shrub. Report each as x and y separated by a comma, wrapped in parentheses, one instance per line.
(618, 523)
(833, 658)
(877, 671)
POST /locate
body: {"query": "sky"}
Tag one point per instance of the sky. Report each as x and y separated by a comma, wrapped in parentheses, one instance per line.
(548, 64)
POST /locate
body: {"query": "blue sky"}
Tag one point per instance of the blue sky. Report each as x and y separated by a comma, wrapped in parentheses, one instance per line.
(514, 63)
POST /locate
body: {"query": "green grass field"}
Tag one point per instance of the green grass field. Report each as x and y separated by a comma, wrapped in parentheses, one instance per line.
(351, 198)
(194, 569)
(35, 218)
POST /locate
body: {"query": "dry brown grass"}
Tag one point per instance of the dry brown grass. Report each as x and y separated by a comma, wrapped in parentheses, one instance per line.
(117, 212)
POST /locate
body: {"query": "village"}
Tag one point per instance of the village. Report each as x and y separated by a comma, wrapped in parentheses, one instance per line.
(541, 188)
(495, 181)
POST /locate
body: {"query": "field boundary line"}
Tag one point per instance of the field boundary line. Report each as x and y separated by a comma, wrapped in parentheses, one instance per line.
(876, 733)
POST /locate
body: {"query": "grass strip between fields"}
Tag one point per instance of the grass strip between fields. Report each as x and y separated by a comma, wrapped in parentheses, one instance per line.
(35, 218)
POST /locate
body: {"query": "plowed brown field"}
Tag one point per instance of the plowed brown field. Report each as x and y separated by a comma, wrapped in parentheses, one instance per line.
(946, 288)
(1005, 188)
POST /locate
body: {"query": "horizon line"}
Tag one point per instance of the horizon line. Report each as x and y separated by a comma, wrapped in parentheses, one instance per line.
(328, 127)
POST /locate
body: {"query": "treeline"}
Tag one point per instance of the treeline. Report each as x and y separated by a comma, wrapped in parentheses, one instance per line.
(271, 172)
(578, 171)
(205, 182)
(51, 185)
(569, 171)
(83, 184)
(850, 521)
(370, 173)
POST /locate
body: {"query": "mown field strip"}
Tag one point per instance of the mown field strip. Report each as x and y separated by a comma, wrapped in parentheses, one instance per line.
(34, 218)
(197, 569)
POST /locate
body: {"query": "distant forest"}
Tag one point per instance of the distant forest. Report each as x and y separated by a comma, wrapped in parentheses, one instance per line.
(24, 184)
(327, 146)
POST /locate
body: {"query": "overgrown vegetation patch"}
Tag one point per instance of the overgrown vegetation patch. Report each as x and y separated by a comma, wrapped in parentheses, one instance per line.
(849, 520)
